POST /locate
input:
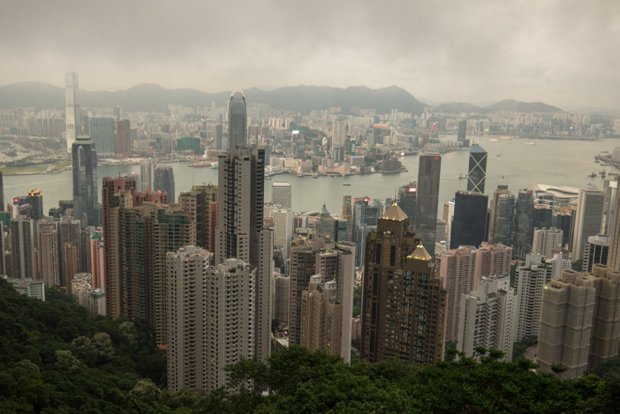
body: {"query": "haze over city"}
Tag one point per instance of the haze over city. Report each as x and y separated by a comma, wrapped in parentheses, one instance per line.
(290, 207)
(560, 52)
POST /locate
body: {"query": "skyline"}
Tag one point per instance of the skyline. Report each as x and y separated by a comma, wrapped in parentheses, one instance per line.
(555, 51)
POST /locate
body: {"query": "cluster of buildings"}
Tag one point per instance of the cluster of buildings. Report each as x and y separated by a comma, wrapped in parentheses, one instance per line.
(221, 275)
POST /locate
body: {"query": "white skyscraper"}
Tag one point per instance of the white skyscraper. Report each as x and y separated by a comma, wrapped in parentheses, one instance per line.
(489, 317)
(546, 240)
(282, 220)
(530, 283)
(72, 109)
(186, 310)
(339, 131)
(229, 319)
(282, 194)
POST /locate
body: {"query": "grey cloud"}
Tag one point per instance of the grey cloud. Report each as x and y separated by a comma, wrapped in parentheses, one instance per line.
(565, 52)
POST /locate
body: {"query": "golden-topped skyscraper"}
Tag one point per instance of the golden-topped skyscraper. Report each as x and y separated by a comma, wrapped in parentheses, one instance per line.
(403, 304)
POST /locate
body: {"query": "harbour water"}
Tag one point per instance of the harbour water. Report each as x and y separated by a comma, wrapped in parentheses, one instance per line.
(510, 162)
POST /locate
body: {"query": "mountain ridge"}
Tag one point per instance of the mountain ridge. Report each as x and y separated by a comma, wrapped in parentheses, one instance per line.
(300, 98)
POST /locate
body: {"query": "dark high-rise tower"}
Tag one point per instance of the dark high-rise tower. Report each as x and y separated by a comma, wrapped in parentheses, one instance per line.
(501, 216)
(237, 121)
(164, 181)
(407, 197)
(403, 303)
(428, 198)
(523, 226)
(462, 130)
(469, 224)
(122, 138)
(477, 169)
(84, 168)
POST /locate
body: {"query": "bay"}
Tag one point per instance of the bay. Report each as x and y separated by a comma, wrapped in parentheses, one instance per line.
(510, 162)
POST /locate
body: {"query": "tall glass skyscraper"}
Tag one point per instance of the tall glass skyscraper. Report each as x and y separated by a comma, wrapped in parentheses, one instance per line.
(84, 168)
(427, 200)
(237, 121)
(477, 169)
(164, 181)
(72, 108)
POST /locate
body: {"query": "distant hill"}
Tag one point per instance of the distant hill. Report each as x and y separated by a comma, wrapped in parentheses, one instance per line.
(151, 97)
(458, 107)
(501, 106)
(518, 106)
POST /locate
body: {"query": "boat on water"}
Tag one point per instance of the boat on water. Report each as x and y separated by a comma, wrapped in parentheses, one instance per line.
(201, 164)
(529, 142)
(347, 184)
(215, 165)
(506, 138)
(494, 140)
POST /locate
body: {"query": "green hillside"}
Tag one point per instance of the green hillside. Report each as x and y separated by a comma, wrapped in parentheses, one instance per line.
(55, 358)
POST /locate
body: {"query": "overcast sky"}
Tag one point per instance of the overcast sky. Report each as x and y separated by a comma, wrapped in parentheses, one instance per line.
(564, 52)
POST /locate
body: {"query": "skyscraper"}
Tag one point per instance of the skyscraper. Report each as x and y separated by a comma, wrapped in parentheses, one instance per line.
(301, 268)
(339, 131)
(501, 216)
(321, 316)
(545, 241)
(35, 199)
(49, 252)
(489, 317)
(240, 233)
(218, 136)
(72, 109)
(407, 197)
(428, 198)
(200, 204)
(587, 220)
(122, 138)
(237, 121)
(523, 227)
(22, 248)
(477, 171)
(462, 130)
(366, 213)
(84, 170)
(399, 270)
(568, 307)
(164, 181)
(596, 252)
(605, 342)
(281, 193)
(146, 175)
(469, 224)
(111, 232)
(102, 131)
(186, 286)
(461, 270)
(530, 283)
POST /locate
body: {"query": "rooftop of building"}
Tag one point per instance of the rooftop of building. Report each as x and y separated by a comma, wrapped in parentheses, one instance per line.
(394, 213)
